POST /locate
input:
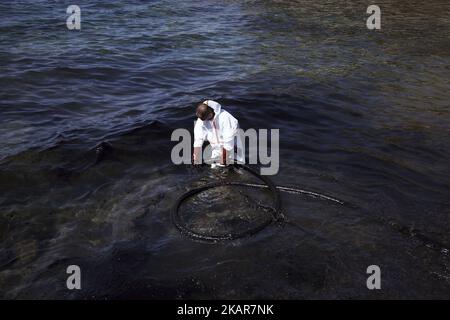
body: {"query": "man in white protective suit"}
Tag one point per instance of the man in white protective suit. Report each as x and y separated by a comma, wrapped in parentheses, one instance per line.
(220, 128)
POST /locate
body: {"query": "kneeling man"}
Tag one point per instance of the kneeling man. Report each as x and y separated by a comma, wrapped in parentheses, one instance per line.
(220, 128)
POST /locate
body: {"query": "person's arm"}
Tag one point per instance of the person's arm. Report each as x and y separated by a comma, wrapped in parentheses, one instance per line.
(223, 158)
(229, 127)
(198, 142)
(196, 156)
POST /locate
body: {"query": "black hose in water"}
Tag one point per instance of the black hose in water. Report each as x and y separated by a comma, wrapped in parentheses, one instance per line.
(275, 208)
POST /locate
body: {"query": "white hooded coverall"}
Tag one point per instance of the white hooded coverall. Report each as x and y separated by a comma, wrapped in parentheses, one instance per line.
(221, 132)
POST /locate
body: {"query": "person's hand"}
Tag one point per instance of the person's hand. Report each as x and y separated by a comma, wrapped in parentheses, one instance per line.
(196, 156)
(223, 158)
(194, 159)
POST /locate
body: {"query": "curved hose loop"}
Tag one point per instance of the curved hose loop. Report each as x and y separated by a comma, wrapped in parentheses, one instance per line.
(277, 214)
(276, 209)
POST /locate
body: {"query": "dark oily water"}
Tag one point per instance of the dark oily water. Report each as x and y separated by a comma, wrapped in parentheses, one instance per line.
(86, 119)
(225, 211)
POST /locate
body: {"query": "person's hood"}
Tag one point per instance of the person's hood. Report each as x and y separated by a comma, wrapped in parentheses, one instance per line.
(214, 105)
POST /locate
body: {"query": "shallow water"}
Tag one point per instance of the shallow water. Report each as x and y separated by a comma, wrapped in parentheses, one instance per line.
(85, 125)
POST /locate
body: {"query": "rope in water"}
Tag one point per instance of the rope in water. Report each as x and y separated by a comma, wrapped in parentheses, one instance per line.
(296, 191)
(275, 208)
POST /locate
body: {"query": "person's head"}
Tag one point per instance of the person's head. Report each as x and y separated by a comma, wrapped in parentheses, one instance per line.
(204, 112)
